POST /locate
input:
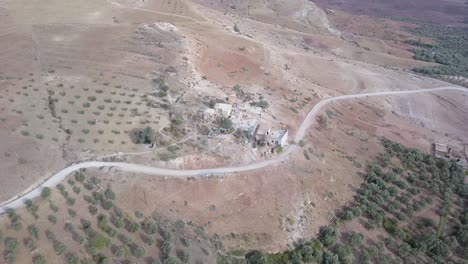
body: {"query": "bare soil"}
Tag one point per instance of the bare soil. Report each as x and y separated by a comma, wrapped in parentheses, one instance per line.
(76, 78)
(272, 208)
(444, 12)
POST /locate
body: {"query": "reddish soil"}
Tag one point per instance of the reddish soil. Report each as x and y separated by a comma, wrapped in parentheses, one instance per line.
(272, 208)
(435, 11)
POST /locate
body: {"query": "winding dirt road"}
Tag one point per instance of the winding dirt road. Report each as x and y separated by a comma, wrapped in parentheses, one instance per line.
(35, 192)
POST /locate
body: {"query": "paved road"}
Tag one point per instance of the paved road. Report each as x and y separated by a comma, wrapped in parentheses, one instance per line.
(35, 192)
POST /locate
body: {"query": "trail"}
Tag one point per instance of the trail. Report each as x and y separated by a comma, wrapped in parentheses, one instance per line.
(35, 192)
(191, 19)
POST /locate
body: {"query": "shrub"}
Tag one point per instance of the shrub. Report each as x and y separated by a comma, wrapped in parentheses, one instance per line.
(100, 242)
(69, 227)
(173, 260)
(355, 239)
(312, 251)
(45, 193)
(144, 136)
(10, 257)
(225, 123)
(139, 214)
(167, 247)
(461, 233)
(107, 205)
(34, 231)
(330, 258)
(121, 251)
(102, 221)
(71, 212)
(149, 240)
(92, 250)
(92, 210)
(72, 259)
(390, 225)
(11, 243)
(126, 240)
(343, 251)
(76, 189)
(39, 259)
(70, 201)
(138, 252)
(52, 219)
(118, 222)
(133, 227)
(80, 239)
(348, 214)
(16, 225)
(183, 256)
(328, 235)
(111, 232)
(79, 176)
(166, 234)
(50, 235)
(53, 207)
(400, 184)
(279, 150)
(263, 104)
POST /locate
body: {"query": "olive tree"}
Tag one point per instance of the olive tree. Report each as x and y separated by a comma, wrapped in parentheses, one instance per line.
(328, 235)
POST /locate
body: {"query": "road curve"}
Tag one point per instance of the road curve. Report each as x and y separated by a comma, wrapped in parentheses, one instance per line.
(18, 201)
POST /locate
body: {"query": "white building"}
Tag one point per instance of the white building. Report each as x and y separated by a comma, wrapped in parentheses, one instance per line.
(250, 127)
(280, 137)
(209, 114)
(223, 109)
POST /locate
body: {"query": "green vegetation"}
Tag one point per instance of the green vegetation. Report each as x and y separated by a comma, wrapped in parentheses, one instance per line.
(144, 136)
(52, 219)
(450, 50)
(39, 259)
(397, 191)
(225, 123)
(100, 242)
(45, 192)
(135, 236)
(328, 235)
(263, 104)
(279, 150)
(163, 88)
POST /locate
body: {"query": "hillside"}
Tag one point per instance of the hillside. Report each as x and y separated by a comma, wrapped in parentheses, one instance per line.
(233, 131)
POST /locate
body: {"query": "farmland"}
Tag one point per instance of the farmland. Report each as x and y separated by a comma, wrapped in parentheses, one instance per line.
(79, 222)
(260, 131)
(412, 208)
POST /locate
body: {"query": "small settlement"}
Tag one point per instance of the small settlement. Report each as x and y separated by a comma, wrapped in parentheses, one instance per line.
(445, 151)
(243, 120)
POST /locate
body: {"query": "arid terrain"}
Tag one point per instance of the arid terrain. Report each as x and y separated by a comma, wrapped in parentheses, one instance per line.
(444, 12)
(260, 204)
(184, 85)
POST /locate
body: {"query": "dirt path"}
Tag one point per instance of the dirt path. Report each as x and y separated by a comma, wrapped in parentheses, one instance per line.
(35, 191)
(191, 19)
